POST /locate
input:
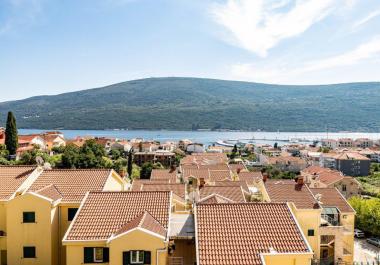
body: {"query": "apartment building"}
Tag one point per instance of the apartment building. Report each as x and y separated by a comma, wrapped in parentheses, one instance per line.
(324, 216)
(353, 164)
(164, 157)
(38, 212)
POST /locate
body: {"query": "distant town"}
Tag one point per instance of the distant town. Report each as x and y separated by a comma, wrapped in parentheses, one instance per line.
(92, 200)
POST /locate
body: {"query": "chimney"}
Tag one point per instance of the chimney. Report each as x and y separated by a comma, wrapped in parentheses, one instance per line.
(265, 177)
(300, 180)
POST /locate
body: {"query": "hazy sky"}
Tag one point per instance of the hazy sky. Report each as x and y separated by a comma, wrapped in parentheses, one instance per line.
(52, 46)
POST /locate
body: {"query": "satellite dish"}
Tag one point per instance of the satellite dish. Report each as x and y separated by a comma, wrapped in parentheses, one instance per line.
(40, 161)
(47, 166)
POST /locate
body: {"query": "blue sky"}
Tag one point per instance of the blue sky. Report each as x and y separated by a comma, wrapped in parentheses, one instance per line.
(51, 46)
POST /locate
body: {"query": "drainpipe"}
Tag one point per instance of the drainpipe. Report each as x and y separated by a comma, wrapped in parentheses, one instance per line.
(159, 250)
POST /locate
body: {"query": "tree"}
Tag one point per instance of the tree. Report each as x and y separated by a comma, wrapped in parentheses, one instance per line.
(275, 146)
(91, 155)
(146, 170)
(70, 157)
(234, 152)
(11, 137)
(140, 146)
(130, 163)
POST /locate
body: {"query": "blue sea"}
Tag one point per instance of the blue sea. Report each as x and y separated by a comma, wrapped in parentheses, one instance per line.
(210, 137)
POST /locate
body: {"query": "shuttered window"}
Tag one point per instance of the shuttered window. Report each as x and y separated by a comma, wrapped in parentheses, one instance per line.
(95, 255)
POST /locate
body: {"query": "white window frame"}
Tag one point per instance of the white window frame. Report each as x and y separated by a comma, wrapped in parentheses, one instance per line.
(98, 260)
(138, 261)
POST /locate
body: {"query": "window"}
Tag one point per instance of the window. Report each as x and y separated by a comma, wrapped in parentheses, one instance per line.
(310, 232)
(29, 252)
(344, 187)
(95, 255)
(98, 254)
(137, 256)
(71, 213)
(28, 217)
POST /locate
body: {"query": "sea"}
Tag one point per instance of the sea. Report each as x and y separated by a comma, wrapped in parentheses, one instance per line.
(214, 137)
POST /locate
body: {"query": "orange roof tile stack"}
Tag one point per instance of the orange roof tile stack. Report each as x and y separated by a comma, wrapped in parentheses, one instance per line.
(104, 214)
(11, 178)
(237, 233)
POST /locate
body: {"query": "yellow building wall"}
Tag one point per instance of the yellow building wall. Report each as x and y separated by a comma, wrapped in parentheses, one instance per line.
(114, 183)
(288, 259)
(63, 226)
(135, 240)
(348, 222)
(3, 227)
(309, 219)
(37, 234)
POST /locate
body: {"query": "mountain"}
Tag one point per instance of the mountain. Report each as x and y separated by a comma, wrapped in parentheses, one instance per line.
(186, 103)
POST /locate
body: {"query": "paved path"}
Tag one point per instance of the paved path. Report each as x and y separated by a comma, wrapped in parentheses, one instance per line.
(365, 253)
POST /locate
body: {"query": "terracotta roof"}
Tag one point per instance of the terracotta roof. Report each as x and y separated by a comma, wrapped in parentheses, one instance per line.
(215, 198)
(72, 183)
(300, 195)
(137, 183)
(104, 214)
(325, 175)
(146, 221)
(205, 159)
(250, 177)
(176, 188)
(217, 175)
(50, 192)
(158, 174)
(234, 193)
(11, 178)
(236, 167)
(229, 183)
(333, 198)
(237, 233)
(351, 156)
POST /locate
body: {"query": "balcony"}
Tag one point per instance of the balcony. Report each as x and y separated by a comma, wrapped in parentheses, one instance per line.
(330, 216)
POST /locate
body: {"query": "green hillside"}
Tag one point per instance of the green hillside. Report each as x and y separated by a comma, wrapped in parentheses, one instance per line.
(182, 103)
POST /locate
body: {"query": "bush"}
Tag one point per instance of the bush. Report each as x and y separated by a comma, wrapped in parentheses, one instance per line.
(367, 214)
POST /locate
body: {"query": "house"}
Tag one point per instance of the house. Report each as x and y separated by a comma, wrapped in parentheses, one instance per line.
(319, 177)
(40, 211)
(345, 143)
(195, 148)
(182, 144)
(164, 157)
(53, 139)
(128, 229)
(353, 164)
(325, 217)
(363, 143)
(285, 163)
(329, 143)
(249, 233)
(122, 146)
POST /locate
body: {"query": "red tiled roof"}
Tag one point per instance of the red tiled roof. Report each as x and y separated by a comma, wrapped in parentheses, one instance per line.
(176, 188)
(237, 233)
(234, 193)
(218, 175)
(331, 197)
(229, 183)
(137, 183)
(11, 178)
(158, 174)
(215, 198)
(236, 167)
(72, 183)
(300, 195)
(250, 177)
(146, 221)
(325, 175)
(104, 214)
(50, 192)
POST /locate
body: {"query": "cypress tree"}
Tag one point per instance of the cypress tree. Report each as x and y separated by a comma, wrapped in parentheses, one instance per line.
(129, 169)
(11, 137)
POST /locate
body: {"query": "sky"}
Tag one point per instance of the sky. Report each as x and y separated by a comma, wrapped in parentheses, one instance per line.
(51, 46)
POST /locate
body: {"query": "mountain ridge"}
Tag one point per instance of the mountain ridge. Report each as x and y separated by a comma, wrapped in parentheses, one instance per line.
(189, 103)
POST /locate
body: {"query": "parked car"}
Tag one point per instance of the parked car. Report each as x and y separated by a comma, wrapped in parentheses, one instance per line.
(374, 241)
(358, 233)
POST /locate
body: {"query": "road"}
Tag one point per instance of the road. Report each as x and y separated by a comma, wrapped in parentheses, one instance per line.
(365, 253)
